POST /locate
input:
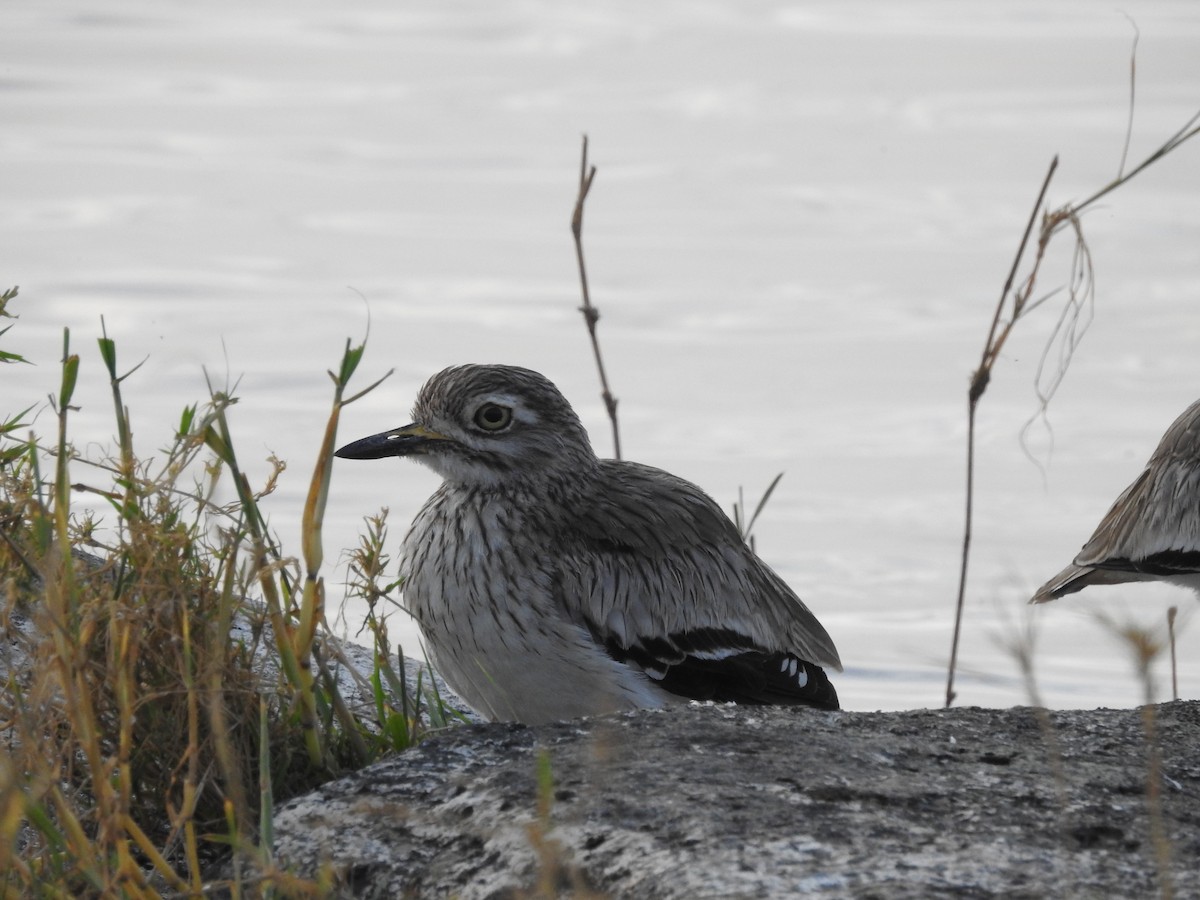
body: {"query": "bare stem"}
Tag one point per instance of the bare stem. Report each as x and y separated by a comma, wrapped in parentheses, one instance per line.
(966, 554)
(995, 341)
(591, 315)
(1190, 129)
(1137, 34)
(1171, 613)
(979, 381)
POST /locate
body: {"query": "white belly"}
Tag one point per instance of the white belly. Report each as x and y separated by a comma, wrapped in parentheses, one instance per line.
(497, 634)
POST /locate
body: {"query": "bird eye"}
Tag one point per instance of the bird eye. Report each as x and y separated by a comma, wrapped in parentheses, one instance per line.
(493, 417)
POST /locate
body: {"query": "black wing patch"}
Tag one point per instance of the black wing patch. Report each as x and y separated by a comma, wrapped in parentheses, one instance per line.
(1164, 564)
(726, 666)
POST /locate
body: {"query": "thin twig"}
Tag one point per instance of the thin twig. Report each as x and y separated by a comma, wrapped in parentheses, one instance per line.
(1074, 319)
(1146, 649)
(745, 525)
(1189, 130)
(979, 381)
(591, 315)
(1022, 644)
(1137, 34)
(1171, 613)
(994, 342)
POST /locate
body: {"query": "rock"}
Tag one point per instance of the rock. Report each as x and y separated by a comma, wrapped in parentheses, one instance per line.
(723, 801)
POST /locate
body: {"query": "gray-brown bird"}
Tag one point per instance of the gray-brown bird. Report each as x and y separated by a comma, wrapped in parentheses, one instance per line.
(550, 584)
(1152, 531)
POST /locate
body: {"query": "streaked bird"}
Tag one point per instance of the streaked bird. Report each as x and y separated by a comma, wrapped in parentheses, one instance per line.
(550, 584)
(1152, 532)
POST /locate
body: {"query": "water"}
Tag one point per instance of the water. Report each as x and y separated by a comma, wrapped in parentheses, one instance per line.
(802, 220)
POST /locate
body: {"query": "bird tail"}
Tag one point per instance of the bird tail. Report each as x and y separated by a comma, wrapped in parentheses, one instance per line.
(1075, 578)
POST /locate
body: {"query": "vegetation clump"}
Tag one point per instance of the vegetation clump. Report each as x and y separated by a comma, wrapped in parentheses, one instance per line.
(169, 675)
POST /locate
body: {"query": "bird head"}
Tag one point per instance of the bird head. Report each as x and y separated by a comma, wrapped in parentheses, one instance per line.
(488, 426)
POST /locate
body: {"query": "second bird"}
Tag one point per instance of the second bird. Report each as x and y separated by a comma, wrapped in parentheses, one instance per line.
(550, 584)
(1152, 531)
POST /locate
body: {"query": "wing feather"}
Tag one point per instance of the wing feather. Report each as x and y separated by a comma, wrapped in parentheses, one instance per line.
(1160, 512)
(720, 625)
(1153, 528)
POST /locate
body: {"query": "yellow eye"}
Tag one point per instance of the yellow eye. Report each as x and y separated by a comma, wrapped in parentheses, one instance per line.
(493, 417)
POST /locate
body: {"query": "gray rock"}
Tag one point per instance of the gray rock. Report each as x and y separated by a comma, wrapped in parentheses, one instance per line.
(719, 801)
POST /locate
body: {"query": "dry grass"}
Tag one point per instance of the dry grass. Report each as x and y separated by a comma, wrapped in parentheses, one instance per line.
(169, 675)
(1145, 648)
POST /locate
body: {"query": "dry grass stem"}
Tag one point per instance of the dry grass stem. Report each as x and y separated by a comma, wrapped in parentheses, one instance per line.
(744, 524)
(591, 315)
(1146, 648)
(997, 335)
(1171, 614)
(1021, 644)
(557, 874)
(1137, 35)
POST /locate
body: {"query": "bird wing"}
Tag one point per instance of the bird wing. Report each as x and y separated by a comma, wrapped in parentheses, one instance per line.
(660, 577)
(1154, 526)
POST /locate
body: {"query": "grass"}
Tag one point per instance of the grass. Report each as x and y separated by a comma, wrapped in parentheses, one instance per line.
(169, 673)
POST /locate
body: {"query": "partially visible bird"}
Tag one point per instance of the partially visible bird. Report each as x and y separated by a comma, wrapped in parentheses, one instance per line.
(550, 584)
(1152, 532)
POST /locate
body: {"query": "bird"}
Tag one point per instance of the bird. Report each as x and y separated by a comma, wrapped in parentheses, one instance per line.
(550, 584)
(1152, 531)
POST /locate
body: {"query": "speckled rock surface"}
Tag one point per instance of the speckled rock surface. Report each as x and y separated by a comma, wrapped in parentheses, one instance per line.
(706, 801)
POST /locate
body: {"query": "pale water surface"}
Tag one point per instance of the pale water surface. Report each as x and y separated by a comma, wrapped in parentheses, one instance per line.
(802, 220)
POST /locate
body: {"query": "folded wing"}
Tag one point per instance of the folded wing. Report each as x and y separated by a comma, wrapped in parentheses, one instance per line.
(668, 586)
